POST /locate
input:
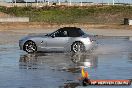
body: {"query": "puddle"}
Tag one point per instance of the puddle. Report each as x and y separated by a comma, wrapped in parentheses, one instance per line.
(112, 59)
(63, 62)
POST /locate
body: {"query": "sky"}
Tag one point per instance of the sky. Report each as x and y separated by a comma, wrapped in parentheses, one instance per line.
(95, 1)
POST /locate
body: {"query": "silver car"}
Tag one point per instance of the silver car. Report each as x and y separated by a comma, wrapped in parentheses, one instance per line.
(64, 39)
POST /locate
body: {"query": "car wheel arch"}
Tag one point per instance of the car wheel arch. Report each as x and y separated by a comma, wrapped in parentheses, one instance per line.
(76, 42)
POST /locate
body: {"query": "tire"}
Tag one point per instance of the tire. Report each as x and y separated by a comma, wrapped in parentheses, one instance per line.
(30, 47)
(77, 47)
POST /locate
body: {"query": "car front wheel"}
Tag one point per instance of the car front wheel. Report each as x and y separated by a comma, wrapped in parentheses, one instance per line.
(77, 47)
(30, 47)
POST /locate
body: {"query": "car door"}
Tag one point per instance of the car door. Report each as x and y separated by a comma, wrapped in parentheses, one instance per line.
(57, 41)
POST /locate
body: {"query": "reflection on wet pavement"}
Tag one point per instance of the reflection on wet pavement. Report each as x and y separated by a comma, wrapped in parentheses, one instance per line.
(85, 60)
(112, 59)
(29, 62)
(63, 62)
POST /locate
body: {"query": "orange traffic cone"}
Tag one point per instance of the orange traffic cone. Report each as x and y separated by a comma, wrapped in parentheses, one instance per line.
(84, 74)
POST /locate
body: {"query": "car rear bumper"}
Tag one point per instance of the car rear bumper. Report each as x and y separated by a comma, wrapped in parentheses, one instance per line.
(90, 46)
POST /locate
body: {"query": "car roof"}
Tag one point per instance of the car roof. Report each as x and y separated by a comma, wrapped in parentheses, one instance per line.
(69, 28)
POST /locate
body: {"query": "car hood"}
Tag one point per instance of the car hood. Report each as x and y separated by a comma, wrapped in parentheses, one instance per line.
(33, 35)
(37, 35)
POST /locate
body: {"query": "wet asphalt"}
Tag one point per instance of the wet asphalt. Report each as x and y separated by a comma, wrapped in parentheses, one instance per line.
(111, 59)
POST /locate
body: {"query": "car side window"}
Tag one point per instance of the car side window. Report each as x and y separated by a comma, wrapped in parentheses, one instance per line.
(65, 34)
(57, 34)
(61, 34)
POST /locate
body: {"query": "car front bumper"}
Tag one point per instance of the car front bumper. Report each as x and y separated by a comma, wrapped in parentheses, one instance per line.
(21, 44)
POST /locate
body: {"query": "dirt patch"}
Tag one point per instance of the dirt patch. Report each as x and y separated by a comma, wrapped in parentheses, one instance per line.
(42, 25)
(4, 15)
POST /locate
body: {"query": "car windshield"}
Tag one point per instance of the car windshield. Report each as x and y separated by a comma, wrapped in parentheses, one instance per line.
(47, 34)
(50, 34)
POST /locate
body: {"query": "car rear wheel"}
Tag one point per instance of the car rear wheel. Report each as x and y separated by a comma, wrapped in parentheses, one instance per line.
(77, 47)
(30, 47)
